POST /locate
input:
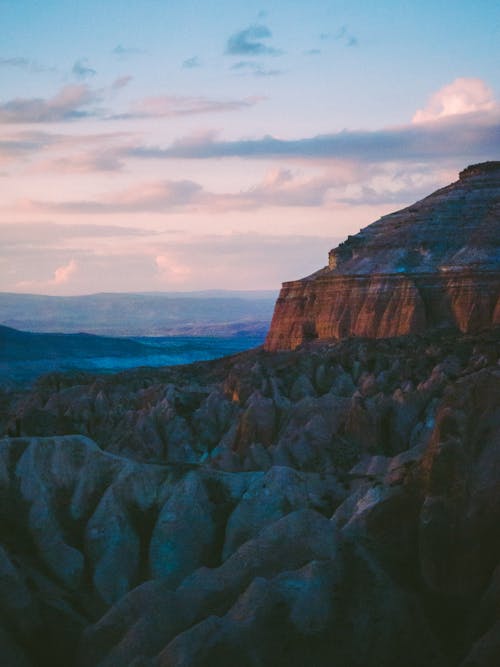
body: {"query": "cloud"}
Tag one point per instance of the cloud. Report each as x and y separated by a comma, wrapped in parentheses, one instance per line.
(124, 51)
(466, 136)
(239, 260)
(76, 101)
(30, 251)
(21, 145)
(312, 52)
(171, 270)
(150, 197)
(248, 42)
(279, 188)
(81, 69)
(24, 63)
(250, 67)
(343, 35)
(121, 82)
(368, 195)
(35, 257)
(247, 260)
(95, 272)
(171, 106)
(62, 275)
(76, 153)
(51, 234)
(15, 62)
(191, 63)
(462, 96)
(68, 104)
(101, 160)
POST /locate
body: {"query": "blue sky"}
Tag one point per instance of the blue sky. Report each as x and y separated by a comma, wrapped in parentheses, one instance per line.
(175, 146)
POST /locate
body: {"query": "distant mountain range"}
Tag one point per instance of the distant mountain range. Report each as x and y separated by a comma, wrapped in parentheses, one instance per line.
(214, 312)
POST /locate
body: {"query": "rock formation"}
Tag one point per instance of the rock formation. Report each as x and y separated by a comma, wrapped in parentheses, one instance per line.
(336, 504)
(433, 264)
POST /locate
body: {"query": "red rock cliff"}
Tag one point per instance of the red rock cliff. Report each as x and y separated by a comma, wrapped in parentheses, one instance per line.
(433, 264)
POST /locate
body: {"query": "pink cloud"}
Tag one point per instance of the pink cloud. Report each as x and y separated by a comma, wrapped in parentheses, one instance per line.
(280, 187)
(171, 106)
(170, 270)
(464, 95)
(67, 104)
(62, 275)
(83, 163)
(157, 196)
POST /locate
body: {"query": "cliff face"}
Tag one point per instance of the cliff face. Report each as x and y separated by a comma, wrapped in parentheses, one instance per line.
(433, 264)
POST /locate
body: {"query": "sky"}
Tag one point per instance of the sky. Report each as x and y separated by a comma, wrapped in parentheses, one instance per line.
(155, 145)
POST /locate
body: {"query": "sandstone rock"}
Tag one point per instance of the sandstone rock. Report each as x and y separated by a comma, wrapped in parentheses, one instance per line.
(459, 469)
(404, 458)
(257, 423)
(140, 624)
(112, 546)
(270, 497)
(33, 470)
(433, 264)
(287, 543)
(184, 535)
(298, 617)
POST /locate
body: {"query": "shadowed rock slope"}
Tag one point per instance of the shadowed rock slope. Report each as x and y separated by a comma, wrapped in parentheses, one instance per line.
(338, 504)
(433, 264)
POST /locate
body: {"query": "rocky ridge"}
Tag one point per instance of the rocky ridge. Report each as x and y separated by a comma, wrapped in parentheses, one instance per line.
(433, 264)
(333, 505)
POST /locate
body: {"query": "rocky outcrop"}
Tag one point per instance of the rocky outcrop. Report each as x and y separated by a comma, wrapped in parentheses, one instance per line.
(315, 409)
(433, 264)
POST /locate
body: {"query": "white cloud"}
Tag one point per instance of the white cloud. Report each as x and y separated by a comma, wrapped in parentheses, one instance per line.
(464, 95)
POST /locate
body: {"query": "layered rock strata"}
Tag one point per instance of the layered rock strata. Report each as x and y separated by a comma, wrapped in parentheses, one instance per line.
(433, 264)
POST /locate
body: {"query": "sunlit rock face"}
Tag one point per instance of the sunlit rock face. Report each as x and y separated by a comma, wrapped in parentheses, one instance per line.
(433, 264)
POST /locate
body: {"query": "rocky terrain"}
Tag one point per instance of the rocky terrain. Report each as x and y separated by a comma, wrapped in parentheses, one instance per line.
(433, 264)
(337, 504)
